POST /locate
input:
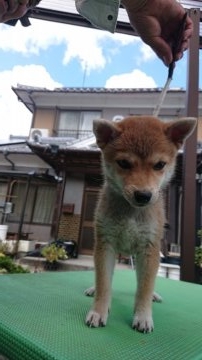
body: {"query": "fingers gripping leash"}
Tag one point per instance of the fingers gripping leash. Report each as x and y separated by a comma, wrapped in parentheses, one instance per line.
(175, 49)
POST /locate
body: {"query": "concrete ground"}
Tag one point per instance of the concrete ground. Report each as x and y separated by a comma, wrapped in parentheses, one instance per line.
(83, 262)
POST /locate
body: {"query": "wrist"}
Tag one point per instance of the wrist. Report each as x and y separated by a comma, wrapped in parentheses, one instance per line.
(133, 5)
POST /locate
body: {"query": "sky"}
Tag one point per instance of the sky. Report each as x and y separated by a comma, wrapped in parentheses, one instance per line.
(50, 55)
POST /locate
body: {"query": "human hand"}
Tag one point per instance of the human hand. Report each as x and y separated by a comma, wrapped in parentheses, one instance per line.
(157, 23)
(12, 9)
(15, 9)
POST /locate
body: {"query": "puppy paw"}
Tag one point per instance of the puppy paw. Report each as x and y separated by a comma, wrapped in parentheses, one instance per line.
(90, 291)
(156, 297)
(143, 323)
(94, 319)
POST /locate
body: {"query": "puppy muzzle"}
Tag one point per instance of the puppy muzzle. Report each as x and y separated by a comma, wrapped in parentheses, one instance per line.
(142, 198)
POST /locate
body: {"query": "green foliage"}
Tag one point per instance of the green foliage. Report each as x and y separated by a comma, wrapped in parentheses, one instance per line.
(198, 256)
(7, 265)
(3, 248)
(198, 251)
(199, 233)
(53, 253)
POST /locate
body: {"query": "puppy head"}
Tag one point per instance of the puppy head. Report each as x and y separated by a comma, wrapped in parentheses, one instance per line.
(139, 154)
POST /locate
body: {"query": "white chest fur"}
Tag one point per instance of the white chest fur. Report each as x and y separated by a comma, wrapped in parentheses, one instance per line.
(127, 232)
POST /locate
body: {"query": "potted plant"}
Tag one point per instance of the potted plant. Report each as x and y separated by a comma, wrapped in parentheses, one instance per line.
(52, 254)
(7, 264)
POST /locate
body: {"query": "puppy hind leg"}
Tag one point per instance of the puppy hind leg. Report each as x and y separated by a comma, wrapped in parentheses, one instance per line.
(147, 263)
(104, 266)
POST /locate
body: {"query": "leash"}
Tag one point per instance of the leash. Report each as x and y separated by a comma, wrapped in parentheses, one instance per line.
(171, 66)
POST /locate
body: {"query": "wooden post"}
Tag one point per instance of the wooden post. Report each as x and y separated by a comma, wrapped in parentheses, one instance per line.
(188, 224)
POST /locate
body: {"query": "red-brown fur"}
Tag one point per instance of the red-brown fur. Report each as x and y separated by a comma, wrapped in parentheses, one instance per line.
(138, 162)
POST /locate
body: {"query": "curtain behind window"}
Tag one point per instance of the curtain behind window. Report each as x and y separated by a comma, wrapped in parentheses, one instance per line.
(18, 193)
(39, 206)
(86, 119)
(72, 123)
(3, 191)
(44, 205)
(69, 120)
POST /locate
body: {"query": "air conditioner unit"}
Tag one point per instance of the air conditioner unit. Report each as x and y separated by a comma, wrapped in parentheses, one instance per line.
(36, 134)
(117, 118)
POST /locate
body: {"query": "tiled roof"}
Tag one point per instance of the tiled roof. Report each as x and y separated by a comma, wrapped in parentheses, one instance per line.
(92, 89)
(63, 159)
(45, 143)
(14, 148)
(32, 96)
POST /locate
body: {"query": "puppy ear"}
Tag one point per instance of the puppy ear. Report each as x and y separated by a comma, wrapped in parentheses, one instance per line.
(105, 131)
(178, 131)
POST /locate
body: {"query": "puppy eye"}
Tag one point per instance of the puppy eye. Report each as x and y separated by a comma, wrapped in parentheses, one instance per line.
(159, 165)
(124, 164)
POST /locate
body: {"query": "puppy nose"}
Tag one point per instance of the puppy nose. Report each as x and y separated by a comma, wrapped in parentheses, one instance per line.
(142, 197)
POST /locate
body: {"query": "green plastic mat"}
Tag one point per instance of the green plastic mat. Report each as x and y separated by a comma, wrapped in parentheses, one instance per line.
(42, 318)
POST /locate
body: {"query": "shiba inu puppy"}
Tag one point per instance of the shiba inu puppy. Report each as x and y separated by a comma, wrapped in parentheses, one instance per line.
(138, 156)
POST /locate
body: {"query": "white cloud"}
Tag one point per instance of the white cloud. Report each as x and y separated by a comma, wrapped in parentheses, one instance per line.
(147, 53)
(15, 119)
(30, 40)
(85, 45)
(135, 79)
(125, 39)
(80, 43)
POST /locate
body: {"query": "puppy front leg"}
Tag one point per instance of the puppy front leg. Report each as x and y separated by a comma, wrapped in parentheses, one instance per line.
(147, 263)
(104, 258)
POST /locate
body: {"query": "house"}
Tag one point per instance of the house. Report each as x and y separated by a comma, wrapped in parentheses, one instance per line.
(54, 179)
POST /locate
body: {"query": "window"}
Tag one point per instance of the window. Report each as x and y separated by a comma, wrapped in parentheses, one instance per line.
(39, 205)
(77, 124)
(3, 193)
(44, 204)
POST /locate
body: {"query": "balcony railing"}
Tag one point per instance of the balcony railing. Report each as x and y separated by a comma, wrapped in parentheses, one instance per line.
(76, 134)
